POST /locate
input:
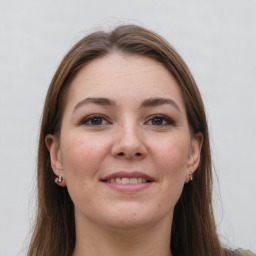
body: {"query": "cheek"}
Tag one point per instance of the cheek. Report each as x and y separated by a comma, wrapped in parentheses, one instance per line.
(82, 154)
(171, 158)
(172, 154)
(81, 159)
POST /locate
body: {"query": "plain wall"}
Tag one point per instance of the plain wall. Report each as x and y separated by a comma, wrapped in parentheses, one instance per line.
(217, 39)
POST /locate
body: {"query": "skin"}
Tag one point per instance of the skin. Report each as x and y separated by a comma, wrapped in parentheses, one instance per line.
(125, 137)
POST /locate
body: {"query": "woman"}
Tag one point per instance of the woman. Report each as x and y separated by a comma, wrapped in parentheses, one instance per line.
(124, 163)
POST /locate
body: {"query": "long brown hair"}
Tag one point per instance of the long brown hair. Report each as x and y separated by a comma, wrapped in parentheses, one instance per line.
(193, 228)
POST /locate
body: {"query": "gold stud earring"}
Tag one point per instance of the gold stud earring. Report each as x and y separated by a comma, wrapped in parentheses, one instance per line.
(190, 176)
(59, 179)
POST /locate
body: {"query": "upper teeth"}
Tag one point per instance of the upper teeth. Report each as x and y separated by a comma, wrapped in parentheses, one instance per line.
(127, 180)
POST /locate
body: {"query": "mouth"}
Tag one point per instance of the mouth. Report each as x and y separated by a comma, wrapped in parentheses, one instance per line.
(124, 177)
(128, 181)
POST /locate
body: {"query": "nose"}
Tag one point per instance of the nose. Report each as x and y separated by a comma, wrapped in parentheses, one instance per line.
(129, 143)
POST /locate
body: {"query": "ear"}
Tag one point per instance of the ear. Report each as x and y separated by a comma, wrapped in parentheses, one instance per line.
(53, 145)
(194, 155)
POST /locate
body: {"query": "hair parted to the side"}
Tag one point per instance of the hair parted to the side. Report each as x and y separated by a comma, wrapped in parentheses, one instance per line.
(193, 228)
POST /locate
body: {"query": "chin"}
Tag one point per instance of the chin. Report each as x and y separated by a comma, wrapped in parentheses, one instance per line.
(132, 216)
(128, 223)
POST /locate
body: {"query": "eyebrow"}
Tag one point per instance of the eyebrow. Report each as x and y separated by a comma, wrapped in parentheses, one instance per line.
(98, 101)
(151, 102)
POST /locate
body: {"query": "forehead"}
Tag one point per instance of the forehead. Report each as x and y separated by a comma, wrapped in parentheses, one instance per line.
(119, 76)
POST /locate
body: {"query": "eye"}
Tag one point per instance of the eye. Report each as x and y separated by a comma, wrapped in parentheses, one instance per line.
(95, 120)
(160, 120)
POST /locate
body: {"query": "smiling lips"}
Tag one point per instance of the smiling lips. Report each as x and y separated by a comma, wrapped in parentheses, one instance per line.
(128, 181)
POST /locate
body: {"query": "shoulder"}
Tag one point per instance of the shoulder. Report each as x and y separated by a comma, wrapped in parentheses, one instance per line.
(247, 253)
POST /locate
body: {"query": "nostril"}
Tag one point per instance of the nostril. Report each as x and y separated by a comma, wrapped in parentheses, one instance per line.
(122, 154)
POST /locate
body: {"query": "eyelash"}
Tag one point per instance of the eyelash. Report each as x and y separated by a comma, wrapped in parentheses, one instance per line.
(103, 120)
(96, 118)
(168, 121)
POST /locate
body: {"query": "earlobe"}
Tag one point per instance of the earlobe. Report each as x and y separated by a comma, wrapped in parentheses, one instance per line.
(194, 156)
(53, 146)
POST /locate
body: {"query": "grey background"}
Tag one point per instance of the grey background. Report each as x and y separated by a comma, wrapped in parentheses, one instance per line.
(217, 39)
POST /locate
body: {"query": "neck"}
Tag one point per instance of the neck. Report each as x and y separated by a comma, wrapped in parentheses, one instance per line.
(92, 240)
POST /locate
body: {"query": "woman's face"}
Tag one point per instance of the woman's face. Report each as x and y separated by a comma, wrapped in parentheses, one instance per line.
(125, 148)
